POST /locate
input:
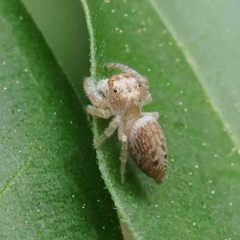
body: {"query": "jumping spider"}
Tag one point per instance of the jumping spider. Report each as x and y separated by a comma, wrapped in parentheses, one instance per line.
(123, 96)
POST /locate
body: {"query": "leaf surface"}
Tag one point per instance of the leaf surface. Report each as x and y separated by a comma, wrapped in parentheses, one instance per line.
(200, 197)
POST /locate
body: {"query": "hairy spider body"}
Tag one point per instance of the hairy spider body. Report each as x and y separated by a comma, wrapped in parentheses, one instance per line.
(123, 96)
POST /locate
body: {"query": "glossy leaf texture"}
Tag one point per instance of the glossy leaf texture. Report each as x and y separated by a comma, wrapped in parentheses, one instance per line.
(199, 199)
(50, 185)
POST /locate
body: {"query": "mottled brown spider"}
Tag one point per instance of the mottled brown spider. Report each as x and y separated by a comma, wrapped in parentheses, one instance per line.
(122, 96)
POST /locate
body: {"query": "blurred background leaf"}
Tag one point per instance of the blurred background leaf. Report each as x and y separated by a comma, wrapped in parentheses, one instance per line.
(50, 185)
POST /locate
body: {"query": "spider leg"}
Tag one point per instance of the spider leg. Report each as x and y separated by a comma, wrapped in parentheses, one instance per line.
(118, 66)
(96, 98)
(152, 114)
(123, 157)
(98, 112)
(113, 125)
(147, 98)
(124, 150)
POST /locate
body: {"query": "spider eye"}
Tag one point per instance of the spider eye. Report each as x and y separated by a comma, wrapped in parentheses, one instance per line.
(139, 85)
(115, 90)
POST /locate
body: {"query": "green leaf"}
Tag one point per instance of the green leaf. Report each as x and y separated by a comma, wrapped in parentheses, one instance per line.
(200, 197)
(50, 185)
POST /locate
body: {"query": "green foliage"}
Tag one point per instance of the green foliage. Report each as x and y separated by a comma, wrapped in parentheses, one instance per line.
(200, 197)
(50, 185)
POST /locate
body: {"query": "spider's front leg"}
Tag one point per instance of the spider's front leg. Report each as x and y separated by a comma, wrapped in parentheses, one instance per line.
(118, 66)
(99, 107)
(96, 98)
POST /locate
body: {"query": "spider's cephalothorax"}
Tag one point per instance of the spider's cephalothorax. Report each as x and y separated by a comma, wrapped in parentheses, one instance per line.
(123, 96)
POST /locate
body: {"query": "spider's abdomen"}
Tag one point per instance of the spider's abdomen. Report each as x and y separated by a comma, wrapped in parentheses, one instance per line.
(147, 147)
